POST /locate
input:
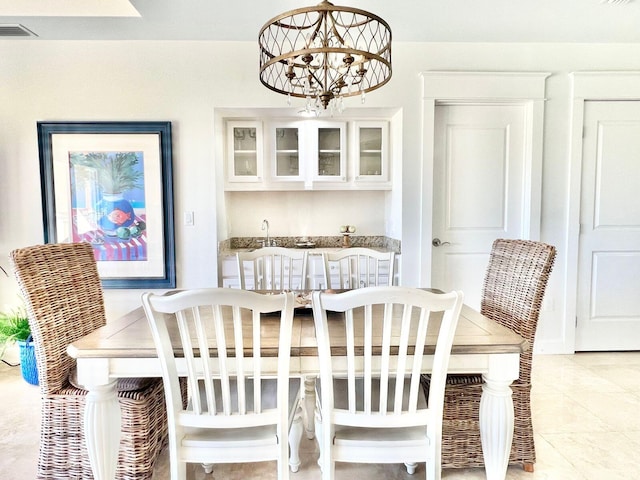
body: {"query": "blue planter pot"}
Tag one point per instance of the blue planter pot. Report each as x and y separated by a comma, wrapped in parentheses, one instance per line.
(28, 361)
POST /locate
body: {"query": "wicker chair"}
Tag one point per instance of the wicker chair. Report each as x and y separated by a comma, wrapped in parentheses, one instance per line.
(514, 286)
(63, 295)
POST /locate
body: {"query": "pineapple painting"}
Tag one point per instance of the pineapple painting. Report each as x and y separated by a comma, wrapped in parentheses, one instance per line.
(105, 188)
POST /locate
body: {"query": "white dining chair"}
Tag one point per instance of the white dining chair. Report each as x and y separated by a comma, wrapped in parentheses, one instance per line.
(358, 267)
(242, 407)
(273, 268)
(371, 407)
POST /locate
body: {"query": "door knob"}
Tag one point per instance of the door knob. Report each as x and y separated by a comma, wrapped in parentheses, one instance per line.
(437, 243)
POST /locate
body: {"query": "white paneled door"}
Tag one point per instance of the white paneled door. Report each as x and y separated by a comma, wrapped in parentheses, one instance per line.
(608, 301)
(480, 174)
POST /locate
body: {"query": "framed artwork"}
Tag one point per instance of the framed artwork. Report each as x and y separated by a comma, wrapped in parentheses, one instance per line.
(110, 184)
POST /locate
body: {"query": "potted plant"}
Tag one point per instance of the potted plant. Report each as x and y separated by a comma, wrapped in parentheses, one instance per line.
(14, 329)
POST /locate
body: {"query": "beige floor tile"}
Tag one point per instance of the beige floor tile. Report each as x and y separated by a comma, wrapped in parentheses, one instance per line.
(559, 413)
(19, 425)
(611, 408)
(569, 378)
(626, 376)
(551, 464)
(603, 358)
(599, 455)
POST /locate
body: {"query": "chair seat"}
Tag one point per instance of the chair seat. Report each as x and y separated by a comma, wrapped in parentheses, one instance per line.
(402, 437)
(464, 379)
(227, 438)
(380, 437)
(124, 384)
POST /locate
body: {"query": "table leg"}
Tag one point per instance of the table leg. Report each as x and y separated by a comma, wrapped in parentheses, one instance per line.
(309, 405)
(497, 417)
(102, 419)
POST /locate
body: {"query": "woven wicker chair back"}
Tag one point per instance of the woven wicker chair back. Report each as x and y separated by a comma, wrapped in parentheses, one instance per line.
(514, 285)
(63, 295)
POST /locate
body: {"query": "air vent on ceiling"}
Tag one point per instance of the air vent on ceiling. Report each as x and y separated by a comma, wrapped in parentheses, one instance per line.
(15, 30)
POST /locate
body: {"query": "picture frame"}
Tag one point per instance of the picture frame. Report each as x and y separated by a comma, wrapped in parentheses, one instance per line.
(111, 184)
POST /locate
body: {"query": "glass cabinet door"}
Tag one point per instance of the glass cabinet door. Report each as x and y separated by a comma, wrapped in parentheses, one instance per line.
(245, 151)
(371, 151)
(331, 152)
(288, 142)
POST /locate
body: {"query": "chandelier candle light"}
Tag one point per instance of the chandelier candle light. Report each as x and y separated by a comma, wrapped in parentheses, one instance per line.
(325, 53)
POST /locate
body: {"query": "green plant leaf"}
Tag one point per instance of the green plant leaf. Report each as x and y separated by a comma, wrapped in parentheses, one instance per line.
(114, 172)
(14, 327)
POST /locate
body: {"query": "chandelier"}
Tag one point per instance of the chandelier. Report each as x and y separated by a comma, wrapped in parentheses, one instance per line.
(325, 53)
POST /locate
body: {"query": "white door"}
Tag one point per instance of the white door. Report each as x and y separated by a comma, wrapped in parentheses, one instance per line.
(608, 302)
(479, 190)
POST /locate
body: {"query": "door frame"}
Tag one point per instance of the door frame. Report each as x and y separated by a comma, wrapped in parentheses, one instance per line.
(585, 86)
(482, 88)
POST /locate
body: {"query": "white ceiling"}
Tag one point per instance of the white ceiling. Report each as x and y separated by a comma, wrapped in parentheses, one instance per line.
(591, 21)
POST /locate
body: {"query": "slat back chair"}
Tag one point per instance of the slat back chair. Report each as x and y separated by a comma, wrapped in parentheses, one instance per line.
(514, 285)
(273, 268)
(63, 295)
(377, 412)
(358, 267)
(241, 400)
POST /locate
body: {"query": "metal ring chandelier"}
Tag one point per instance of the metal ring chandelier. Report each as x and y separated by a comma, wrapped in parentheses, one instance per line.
(325, 53)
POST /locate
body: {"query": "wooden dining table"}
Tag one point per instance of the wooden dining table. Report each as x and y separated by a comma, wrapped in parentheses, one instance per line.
(124, 348)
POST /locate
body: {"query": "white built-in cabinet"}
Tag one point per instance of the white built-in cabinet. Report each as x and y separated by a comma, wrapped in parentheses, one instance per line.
(277, 154)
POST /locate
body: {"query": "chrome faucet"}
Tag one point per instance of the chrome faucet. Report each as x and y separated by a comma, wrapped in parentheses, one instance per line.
(265, 226)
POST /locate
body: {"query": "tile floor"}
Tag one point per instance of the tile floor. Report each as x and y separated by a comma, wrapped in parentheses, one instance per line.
(585, 407)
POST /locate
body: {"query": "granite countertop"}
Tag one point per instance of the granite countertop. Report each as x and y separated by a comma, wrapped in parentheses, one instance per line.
(322, 244)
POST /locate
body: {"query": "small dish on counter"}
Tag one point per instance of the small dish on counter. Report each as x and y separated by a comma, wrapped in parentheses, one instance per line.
(305, 245)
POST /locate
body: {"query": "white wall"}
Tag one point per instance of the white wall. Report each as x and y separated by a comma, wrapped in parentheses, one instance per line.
(184, 82)
(292, 214)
